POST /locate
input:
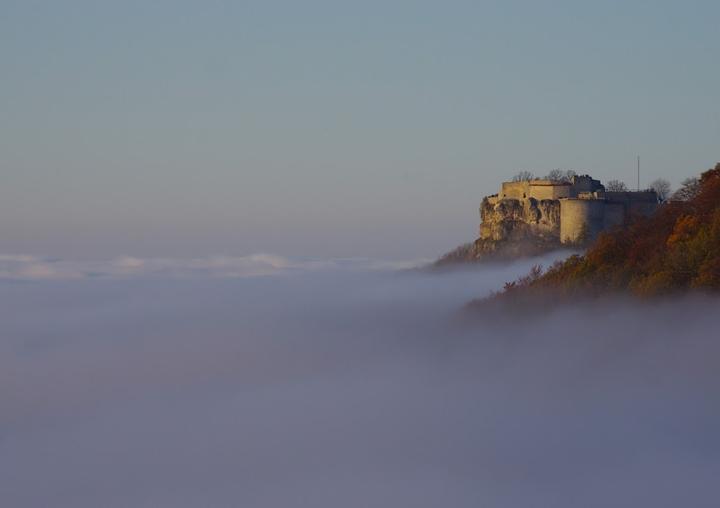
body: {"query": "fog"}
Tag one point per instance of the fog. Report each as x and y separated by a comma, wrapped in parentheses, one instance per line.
(344, 384)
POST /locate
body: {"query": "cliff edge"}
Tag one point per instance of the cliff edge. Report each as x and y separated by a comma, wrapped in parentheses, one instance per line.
(510, 229)
(532, 217)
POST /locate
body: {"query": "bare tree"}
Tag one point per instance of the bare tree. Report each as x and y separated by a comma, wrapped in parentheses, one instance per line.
(662, 189)
(558, 175)
(555, 175)
(688, 189)
(523, 176)
(615, 186)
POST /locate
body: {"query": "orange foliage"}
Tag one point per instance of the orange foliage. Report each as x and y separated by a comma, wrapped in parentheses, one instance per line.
(685, 227)
(676, 249)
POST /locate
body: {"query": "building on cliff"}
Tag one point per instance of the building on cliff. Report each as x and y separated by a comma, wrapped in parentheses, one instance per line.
(568, 212)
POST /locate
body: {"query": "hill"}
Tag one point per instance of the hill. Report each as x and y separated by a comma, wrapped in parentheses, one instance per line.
(675, 250)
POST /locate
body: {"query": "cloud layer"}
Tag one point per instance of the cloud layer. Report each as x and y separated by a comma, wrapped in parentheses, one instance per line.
(26, 267)
(349, 388)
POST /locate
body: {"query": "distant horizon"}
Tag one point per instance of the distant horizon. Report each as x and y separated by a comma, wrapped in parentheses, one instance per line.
(191, 252)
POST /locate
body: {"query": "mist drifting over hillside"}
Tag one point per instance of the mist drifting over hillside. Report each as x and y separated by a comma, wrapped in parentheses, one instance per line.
(265, 382)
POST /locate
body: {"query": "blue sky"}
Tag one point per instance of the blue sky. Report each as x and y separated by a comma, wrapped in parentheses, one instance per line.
(330, 128)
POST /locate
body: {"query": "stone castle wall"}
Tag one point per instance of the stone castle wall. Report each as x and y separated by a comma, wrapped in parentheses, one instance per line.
(536, 189)
(567, 212)
(614, 215)
(549, 191)
(581, 219)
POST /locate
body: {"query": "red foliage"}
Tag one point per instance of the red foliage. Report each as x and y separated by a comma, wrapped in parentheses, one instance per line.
(676, 249)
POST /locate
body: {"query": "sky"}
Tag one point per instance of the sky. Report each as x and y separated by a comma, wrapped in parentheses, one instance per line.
(330, 128)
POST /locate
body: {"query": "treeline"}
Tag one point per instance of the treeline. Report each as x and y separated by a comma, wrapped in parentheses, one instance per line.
(556, 175)
(660, 186)
(675, 250)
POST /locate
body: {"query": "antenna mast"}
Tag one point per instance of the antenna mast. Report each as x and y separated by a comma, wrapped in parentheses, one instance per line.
(638, 172)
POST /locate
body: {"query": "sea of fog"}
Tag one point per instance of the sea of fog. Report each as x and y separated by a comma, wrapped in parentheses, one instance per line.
(267, 382)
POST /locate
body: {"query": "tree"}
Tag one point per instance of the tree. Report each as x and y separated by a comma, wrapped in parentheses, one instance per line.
(688, 189)
(616, 186)
(662, 189)
(523, 176)
(558, 175)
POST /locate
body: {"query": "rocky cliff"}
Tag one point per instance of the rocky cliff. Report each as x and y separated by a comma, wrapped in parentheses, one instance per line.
(510, 229)
(527, 218)
(518, 220)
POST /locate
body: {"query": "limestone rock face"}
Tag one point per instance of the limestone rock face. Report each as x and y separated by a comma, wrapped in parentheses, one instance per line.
(517, 220)
(511, 229)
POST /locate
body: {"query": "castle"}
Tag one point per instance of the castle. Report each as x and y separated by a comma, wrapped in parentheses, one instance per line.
(566, 211)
